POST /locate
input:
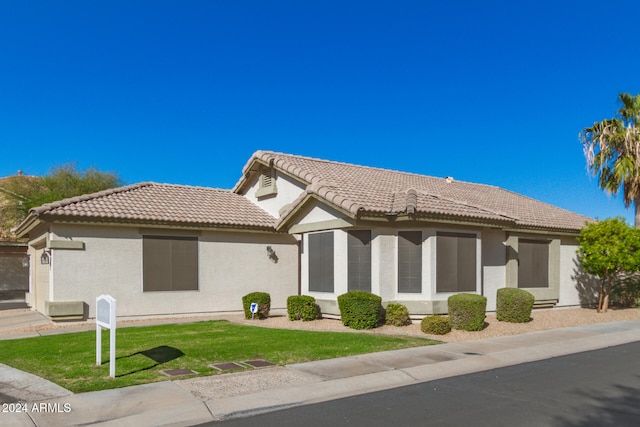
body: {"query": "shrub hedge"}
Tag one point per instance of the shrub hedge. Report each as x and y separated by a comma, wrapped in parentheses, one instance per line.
(467, 311)
(397, 315)
(437, 325)
(302, 307)
(263, 300)
(514, 305)
(360, 310)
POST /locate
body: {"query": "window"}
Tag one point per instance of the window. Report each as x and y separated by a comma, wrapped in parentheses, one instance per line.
(410, 261)
(169, 263)
(359, 262)
(321, 262)
(533, 263)
(455, 262)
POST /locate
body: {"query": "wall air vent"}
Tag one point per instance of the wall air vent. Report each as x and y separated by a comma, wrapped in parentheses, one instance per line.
(267, 183)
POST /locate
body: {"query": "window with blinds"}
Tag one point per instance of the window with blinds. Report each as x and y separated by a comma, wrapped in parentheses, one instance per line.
(359, 260)
(320, 258)
(456, 262)
(533, 263)
(169, 263)
(409, 261)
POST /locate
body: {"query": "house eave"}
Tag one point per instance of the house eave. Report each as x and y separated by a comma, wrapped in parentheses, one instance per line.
(544, 231)
(29, 223)
(127, 222)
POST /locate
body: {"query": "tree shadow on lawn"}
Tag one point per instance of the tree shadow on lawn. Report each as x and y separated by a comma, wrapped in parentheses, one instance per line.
(159, 355)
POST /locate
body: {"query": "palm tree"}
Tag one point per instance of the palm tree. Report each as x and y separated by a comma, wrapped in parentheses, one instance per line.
(612, 149)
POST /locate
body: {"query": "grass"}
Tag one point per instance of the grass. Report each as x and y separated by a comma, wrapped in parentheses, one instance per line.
(142, 352)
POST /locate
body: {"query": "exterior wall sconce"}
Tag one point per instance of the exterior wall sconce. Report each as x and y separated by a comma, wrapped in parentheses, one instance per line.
(272, 254)
(44, 258)
(25, 261)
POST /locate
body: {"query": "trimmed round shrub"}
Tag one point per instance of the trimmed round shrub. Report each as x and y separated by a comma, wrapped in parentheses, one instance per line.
(514, 305)
(263, 300)
(302, 307)
(397, 315)
(467, 311)
(360, 310)
(437, 325)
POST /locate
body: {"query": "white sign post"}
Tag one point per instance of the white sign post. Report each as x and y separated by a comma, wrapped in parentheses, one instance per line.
(106, 318)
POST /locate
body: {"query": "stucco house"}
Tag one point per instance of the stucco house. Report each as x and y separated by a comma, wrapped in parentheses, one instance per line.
(297, 225)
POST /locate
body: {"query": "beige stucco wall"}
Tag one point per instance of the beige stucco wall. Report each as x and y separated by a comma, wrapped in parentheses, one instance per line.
(288, 191)
(575, 287)
(41, 281)
(493, 265)
(230, 266)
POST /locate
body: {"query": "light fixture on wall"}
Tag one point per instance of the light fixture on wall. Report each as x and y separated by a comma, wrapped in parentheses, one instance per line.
(45, 258)
(272, 254)
(25, 261)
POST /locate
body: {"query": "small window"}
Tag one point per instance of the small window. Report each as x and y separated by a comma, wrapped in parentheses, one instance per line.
(169, 263)
(409, 262)
(456, 262)
(359, 260)
(533, 263)
(321, 262)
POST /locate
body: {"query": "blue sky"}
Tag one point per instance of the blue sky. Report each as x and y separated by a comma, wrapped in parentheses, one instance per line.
(185, 91)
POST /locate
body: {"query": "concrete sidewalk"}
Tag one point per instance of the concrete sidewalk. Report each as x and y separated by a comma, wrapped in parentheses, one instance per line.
(199, 400)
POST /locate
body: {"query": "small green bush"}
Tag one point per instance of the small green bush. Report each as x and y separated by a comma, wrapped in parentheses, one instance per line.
(397, 315)
(514, 305)
(360, 310)
(467, 311)
(302, 307)
(263, 300)
(437, 325)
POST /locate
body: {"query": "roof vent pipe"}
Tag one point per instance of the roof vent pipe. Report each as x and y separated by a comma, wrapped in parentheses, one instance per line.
(449, 179)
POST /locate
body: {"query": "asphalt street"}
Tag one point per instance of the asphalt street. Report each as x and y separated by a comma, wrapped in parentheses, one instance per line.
(599, 387)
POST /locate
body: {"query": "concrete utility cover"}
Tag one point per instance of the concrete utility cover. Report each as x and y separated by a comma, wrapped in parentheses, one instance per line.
(258, 363)
(227, 366)
(178, 372)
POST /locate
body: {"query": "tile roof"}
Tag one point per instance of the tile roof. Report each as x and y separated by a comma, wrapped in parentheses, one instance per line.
(161, 204)
(366, 190)
(358, 190)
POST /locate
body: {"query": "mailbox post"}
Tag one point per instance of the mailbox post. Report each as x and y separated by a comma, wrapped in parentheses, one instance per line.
(106, 318)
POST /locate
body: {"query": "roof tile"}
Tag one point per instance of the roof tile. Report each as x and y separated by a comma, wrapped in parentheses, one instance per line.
(152, 203)
(360, 189)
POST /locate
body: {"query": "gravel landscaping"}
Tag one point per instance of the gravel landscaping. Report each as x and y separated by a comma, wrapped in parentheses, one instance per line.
(542, 319)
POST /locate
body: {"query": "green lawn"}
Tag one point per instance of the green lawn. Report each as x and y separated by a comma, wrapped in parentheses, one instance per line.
(142, 352)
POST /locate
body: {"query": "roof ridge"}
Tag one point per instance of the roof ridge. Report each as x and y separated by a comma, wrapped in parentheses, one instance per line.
(473, 205)
(377, 168)
(201, 187)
